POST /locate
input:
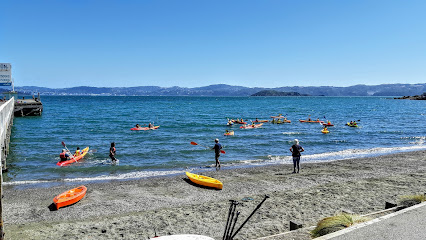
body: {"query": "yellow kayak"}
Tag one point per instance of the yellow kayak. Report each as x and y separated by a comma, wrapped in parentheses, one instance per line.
(325, 131)
(204, 181)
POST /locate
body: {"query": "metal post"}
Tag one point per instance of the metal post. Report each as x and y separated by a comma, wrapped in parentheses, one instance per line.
(242, 225)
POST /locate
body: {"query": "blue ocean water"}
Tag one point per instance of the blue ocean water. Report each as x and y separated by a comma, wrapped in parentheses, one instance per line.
(386, 126)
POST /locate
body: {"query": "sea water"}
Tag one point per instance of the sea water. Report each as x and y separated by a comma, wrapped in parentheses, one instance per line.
(386, 126)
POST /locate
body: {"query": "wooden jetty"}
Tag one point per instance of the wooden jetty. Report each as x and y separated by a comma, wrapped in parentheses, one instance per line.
(28, 107)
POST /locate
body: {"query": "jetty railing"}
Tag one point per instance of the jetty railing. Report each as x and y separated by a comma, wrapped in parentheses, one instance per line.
(6, 121)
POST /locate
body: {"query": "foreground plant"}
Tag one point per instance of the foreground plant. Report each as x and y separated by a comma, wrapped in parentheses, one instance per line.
(336, 223)
(411, 200)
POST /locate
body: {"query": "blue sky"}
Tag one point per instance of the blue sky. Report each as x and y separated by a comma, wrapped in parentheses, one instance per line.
(197, 43)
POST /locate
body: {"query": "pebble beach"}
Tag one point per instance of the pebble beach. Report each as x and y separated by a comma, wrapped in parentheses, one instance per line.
(137, 209)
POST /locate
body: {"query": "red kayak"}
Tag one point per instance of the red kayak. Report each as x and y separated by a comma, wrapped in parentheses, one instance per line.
(328, 124)
(307, 121)
(144, 128)
(261, 121)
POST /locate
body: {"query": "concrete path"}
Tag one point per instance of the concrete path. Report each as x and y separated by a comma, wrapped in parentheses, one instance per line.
(409, 223)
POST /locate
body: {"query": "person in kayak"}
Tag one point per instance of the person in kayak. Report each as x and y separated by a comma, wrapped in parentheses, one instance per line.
(217, 148)
(77, 152)
(295, 150)
(138, 126)
(64, 155)
(112, 152)
(150, 126)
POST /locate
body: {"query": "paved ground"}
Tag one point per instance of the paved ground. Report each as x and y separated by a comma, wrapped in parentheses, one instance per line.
(406, 224)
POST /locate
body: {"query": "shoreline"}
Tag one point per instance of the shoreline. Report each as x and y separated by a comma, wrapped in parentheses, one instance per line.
(132, 209)
(283, 160)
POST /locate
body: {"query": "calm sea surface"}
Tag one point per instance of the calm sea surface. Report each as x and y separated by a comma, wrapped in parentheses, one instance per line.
(386, 126)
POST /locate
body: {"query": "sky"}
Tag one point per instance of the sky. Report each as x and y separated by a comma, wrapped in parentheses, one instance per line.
(194, 43)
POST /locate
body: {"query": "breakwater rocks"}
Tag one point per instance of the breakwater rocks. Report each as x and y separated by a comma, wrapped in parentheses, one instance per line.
(416, 97)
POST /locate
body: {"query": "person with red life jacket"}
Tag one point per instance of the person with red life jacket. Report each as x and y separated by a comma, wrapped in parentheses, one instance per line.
(64, 155)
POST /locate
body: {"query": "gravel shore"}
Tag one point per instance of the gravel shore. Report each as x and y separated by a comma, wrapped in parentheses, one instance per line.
(173, 205)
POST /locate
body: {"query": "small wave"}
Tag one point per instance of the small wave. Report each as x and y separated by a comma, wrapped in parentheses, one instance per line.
(124, 176)
(346, 154)
(292, 133)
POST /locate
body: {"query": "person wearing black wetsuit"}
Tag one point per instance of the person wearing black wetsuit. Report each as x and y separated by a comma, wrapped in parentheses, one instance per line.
(295, 150)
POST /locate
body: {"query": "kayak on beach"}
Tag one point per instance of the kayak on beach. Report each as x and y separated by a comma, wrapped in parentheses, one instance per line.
(70, 197)
(74, 158)
(204, 180)
(252, 126)
(144, 128)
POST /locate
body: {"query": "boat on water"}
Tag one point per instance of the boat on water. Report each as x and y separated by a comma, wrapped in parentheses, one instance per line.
(352, 124)
(74, 159)
(325, 131)
(311, 121)
(252, 126)
(261, 121)
(229, 133)
(70, 197)
(144, 128)
(204, 180)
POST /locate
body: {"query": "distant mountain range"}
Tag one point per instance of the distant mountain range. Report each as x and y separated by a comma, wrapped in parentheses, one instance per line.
(228, 90)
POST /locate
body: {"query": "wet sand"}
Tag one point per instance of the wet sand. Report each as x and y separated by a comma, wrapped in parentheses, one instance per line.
(172, 205)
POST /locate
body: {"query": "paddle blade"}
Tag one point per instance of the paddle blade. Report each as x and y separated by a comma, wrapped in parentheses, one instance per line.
(222, 151)
(194, 143)
(63, 144)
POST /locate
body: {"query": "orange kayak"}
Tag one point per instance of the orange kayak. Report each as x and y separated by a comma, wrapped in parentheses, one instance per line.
(70, 197)
(315, 121)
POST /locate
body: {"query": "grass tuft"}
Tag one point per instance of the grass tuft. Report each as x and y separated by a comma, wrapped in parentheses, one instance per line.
(336, 223)
(411, 200)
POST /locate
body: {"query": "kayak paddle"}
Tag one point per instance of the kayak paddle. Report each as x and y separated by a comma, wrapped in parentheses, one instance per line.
(194, 143)
(71, 155)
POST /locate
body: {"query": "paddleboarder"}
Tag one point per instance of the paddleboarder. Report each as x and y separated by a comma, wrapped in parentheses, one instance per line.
(295, 150)
(112, 153)
(217, 148)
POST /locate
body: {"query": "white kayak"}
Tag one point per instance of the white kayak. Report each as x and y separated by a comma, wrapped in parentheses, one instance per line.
(184, 237)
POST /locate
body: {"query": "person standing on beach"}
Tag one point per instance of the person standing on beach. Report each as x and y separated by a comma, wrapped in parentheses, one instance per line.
(217, 148)
(295, 150)
(112, 153)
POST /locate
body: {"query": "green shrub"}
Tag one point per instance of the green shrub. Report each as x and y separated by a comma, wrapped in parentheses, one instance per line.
(336, 223)
(411, 200)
